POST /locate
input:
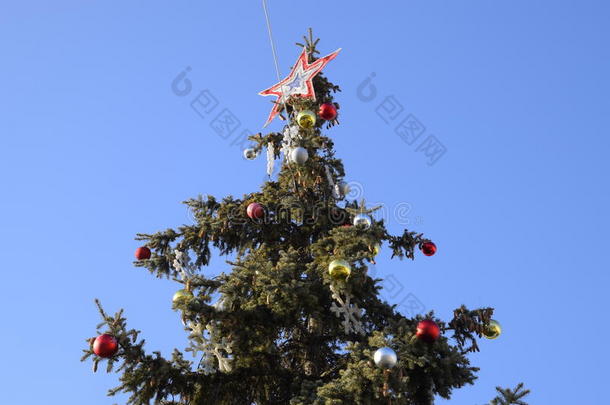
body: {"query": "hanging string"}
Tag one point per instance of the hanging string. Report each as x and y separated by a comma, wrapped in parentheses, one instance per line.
(279, 78)
(277, 66)
(272, 42)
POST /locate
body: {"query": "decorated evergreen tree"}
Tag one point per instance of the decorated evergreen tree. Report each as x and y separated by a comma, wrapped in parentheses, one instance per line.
(296, 319)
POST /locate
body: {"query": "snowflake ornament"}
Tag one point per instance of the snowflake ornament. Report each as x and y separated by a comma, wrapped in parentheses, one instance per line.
(219, 350)
(216, 351)
(223, 303)
(350, 312)
(290, 139)
(182, 264)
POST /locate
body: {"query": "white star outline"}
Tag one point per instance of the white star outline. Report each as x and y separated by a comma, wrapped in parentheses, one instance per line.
(301, 73)
(289, 89)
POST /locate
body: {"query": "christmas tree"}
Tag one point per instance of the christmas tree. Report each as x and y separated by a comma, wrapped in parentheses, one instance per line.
(296, 319)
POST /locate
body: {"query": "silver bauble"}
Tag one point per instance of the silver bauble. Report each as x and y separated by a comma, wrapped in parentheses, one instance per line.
(250, 154)
(344, 188)
(385, 358)
(299, 155)
(362, 220)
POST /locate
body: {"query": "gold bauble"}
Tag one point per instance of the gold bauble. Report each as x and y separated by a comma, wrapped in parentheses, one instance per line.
(339, 269)
(493, 330)
(181, 296)
(375, 249)
(306, 119)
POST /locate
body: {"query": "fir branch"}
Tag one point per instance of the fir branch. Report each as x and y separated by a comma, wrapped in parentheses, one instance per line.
(467, 324)
(404, 245)
(507, 396)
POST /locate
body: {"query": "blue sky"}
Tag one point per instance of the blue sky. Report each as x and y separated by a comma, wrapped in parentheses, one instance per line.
(96, 147)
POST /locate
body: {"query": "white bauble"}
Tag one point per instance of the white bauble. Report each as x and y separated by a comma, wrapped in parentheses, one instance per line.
(299, 155)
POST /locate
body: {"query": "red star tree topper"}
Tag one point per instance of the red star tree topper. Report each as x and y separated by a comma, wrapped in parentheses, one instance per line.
(298, 82)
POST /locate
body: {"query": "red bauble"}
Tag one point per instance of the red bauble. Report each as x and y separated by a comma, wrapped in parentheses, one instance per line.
(142, 253)
(105, 346)
(255, 211)
(428, 248)
(428, 331)
(327, 111)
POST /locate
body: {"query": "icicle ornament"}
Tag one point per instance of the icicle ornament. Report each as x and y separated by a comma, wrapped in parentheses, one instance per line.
(331, 182)
(270, 158)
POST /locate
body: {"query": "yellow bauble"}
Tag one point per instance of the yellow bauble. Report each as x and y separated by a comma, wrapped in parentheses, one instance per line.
(493, 330)
(375, 249)
(182, 296)
(306, 119)
(339, 269)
